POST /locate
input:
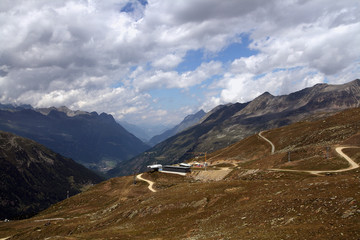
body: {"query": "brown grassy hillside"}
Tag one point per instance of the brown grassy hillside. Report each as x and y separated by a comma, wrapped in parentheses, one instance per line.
(306, 141)
(252, 202)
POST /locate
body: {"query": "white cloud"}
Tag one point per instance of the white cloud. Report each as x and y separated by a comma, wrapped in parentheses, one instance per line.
(297, 49)
(245, 87)
(145, 80)
(167, 62)
(119, 101)
(83, 53)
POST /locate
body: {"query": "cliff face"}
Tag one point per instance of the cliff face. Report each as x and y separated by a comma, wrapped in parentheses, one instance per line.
(33, 177)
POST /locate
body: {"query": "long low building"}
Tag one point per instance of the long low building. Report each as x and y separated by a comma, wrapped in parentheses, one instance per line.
(155, 166)
(175, 169)
(182, 170)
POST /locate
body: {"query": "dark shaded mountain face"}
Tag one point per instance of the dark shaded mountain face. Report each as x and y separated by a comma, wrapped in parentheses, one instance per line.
(93, 140)
(227, 124)
(188, 121)
(34, 177)
(12, 107)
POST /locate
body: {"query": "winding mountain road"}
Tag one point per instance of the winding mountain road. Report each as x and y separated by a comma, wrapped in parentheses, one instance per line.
(352, 164)
(48, 219)
(151, 183)
(272, 145)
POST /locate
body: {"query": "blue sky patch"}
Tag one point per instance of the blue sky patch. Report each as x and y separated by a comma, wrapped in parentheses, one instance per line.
(236, 50)
(192, 60)
(129, 7)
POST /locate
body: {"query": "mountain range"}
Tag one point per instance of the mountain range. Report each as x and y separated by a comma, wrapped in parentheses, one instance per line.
(247, 192)
(96, 141)
(139, 132)
(34, 177)
(145, 132)
(227, 124)
(188, 121)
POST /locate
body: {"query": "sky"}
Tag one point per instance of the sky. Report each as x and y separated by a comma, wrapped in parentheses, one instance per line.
(154, 62)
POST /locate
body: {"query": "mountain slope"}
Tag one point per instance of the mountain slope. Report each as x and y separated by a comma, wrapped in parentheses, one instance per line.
(305, 145)
(230, 123)
(136, 130)
(33, 177)
(93, 140)
(252, 202)
(188, 121)
(176, 148)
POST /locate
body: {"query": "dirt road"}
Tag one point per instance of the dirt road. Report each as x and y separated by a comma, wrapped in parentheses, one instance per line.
(272, 145)
(352, 164)
(48, 219)
(151, 183)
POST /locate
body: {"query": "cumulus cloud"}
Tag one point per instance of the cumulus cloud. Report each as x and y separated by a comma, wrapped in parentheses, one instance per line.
(167, 62)
(107, 55)
(245, 87)
(316, 43)
(144, 80)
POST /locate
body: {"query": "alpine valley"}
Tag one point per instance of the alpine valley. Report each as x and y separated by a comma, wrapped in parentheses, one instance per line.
(249, 191)
(96, 141)
(227, 124)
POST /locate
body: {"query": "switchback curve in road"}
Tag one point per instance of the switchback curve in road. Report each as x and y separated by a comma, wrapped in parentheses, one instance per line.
(151, 183)
(272, 145)
(352, 164)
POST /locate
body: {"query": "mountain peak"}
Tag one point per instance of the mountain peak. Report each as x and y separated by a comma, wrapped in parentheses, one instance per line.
(355, 82)
(15, 106)
(63, 109)
(96, 141)
(264, 96)
(195, 115)
(227, 124)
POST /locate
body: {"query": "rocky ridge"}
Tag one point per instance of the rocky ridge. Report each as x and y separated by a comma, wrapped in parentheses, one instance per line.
(230, 123)
(33, 177)
(94, 140)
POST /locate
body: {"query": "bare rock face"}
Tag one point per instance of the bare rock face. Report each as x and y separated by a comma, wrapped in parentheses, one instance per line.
(227, 124)
(63, 109)
(33, 177)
